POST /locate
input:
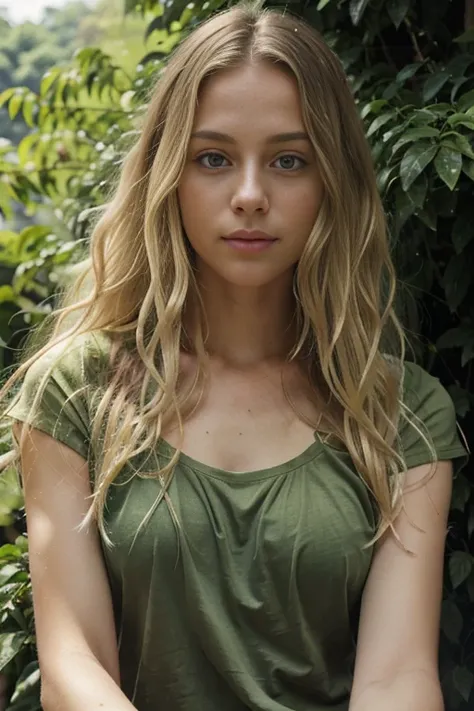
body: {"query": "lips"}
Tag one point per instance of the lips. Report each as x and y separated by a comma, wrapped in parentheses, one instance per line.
(249, 242)
(250, 236)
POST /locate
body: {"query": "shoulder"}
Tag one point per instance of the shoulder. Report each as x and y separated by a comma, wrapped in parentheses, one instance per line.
(70, 369)
(428, 415)
(58, 388)
(73, 357)
(422, 391)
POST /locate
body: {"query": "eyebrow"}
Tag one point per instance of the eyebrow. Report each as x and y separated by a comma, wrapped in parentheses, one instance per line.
(278, 138)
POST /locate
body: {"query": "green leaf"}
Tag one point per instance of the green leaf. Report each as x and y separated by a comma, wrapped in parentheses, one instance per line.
(413, 134)
(459, 63)
(397, 10)
(8, 572)
(9, 551)
(461, 400)
(463, 232)
(461, 118)
(15, 104)
(467, 36)
(373, 107)
(393, 133)
(29, 106)
(460, 142)
(390, 91)
(456, 86)
(422, 116)
(9, 594)
(415, 161)
(428, 216)
(385, 177)
(434, 84)
(461, 493)
(25, 147)
(463, 681)
(10, 645)
(467, 354)
(456, 280)
(26, 689)
(441, 108)
(379, 122)
(322, 4)
(468, 169)
(451, 621)
(357, 9)
(49, 78)
(448, 165)
(418, 190)
(460, 566)
(7, 95)
(467, 122)
(21, 543)
(456, 337)
(466, 101)
(404, 209)
(408, 72)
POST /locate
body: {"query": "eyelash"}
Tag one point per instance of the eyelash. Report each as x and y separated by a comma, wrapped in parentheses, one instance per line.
(215, 153)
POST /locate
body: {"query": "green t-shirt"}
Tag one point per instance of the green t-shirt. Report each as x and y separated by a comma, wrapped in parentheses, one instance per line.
(252, 602)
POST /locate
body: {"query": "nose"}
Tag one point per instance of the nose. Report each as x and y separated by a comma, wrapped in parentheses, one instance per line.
(250, 194)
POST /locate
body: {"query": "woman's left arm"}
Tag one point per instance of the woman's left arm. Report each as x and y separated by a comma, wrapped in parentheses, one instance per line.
(397, 649)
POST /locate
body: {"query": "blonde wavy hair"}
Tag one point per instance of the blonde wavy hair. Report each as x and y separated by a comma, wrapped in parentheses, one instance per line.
(138, 276)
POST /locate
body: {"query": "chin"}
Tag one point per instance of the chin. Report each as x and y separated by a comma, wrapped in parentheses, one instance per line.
(249, 277)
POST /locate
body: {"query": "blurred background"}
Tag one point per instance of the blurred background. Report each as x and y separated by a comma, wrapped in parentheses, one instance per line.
(74, 76)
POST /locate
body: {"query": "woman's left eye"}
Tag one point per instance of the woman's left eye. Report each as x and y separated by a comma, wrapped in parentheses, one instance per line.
(292, 158)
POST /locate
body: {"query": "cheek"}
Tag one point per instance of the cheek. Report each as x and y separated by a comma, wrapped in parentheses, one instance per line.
(190, 205)
(303, 207)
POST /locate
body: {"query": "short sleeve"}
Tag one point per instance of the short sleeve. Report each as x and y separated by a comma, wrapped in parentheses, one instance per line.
(62, 411)
(431, 403)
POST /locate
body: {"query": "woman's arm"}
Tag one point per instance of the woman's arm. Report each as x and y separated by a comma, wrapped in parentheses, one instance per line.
(397, 650)
(75, 629)
(82, 683)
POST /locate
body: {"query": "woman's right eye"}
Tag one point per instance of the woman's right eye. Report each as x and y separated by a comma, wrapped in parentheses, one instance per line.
(212, 155)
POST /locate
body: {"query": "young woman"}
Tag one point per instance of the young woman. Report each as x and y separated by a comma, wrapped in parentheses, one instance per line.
(270, 480)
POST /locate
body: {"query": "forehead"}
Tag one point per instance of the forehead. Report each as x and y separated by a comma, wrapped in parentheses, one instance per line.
(253, 96)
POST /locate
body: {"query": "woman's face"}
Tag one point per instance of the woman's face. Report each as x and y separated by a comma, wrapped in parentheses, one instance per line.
(242, 174)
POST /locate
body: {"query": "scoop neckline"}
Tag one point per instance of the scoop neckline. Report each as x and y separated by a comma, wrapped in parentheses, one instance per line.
(311, 452)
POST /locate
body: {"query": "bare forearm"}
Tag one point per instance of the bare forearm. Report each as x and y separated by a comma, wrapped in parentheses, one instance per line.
(83, 685)
(410, 690)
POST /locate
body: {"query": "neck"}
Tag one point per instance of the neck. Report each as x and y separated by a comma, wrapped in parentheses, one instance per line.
(246, 326)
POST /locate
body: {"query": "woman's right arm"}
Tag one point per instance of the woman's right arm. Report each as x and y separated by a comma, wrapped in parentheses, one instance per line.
(75, 629)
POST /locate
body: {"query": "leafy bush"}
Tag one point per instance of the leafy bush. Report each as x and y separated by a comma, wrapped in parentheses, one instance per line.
(411, 66)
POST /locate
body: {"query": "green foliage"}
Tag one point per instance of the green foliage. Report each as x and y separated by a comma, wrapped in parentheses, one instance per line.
(18, 653)
(27, 50)
(411, 67)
